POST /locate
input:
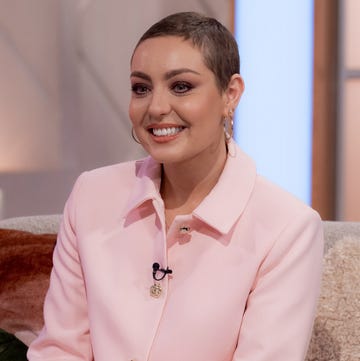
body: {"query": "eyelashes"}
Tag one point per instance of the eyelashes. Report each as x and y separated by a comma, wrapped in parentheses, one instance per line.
(181, 87)
(140, 89)
(177, 88)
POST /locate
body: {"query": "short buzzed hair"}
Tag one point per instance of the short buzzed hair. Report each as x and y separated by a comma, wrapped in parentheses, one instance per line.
(214, 40)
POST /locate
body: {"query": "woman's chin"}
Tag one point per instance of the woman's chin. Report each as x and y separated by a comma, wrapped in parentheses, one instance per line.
(165, 157)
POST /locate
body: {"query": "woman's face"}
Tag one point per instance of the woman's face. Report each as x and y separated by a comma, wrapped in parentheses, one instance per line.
(176, 107)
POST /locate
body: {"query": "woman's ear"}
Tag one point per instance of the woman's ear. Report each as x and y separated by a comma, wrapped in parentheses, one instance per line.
(234, 92)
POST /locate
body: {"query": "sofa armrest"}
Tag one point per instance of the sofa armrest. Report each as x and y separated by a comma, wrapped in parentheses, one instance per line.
(34, 224)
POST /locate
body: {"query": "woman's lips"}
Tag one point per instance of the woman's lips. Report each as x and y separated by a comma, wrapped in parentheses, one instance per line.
(166, 131)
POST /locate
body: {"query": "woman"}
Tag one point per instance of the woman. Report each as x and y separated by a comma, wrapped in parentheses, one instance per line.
(188, 254)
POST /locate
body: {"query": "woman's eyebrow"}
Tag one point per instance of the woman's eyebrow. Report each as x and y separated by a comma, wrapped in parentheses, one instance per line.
(140, 74)
(168, 75)
(175, 72)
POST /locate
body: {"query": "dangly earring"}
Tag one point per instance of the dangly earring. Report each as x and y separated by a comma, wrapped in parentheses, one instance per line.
(229, 126)
(133, 134)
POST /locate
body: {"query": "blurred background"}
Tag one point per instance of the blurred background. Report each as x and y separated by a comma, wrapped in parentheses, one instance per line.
(64, 92)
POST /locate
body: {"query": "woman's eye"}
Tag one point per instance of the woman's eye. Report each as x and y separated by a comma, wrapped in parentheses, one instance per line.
(181, 87)
(140, 89)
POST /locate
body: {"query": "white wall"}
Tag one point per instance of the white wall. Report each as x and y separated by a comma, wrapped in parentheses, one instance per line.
(274, 120)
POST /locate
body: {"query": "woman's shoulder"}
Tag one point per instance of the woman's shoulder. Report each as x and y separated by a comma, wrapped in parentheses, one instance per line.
(112, 179)
(118, 173)
(277, 205)
(109, 187)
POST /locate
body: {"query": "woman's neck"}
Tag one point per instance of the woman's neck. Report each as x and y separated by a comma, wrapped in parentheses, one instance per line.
(185, 185)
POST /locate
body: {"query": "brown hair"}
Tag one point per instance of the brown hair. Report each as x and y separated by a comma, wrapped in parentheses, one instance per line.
(219, 48)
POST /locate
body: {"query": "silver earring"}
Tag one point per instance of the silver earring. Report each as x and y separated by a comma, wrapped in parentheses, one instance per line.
(229, 126)
(133, 134)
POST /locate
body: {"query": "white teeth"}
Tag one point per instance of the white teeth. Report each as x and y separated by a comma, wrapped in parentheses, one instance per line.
(161, 132)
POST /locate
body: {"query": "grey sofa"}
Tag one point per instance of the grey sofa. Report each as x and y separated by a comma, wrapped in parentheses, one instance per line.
(336, 333)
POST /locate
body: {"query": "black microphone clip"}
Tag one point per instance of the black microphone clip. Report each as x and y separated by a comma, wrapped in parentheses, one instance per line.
(156, 268)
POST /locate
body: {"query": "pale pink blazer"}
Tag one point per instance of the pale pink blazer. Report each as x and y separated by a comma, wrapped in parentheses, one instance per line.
(245, 279)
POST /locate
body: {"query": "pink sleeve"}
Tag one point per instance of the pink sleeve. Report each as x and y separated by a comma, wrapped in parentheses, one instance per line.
(281, 307)
(65, 335)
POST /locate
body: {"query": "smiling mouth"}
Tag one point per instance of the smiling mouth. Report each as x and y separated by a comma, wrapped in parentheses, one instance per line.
(165, 132)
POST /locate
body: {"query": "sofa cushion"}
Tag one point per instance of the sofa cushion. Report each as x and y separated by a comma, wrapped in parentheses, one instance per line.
(25, 266)
(336, 331)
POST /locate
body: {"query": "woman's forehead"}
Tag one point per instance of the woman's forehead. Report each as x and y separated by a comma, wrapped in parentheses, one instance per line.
(167, 51)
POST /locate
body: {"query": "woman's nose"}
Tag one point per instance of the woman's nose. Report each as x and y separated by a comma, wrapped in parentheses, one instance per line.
(159, 103)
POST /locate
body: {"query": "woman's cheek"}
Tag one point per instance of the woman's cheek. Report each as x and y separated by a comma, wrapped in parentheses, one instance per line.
(137, 109)
(133, 113)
